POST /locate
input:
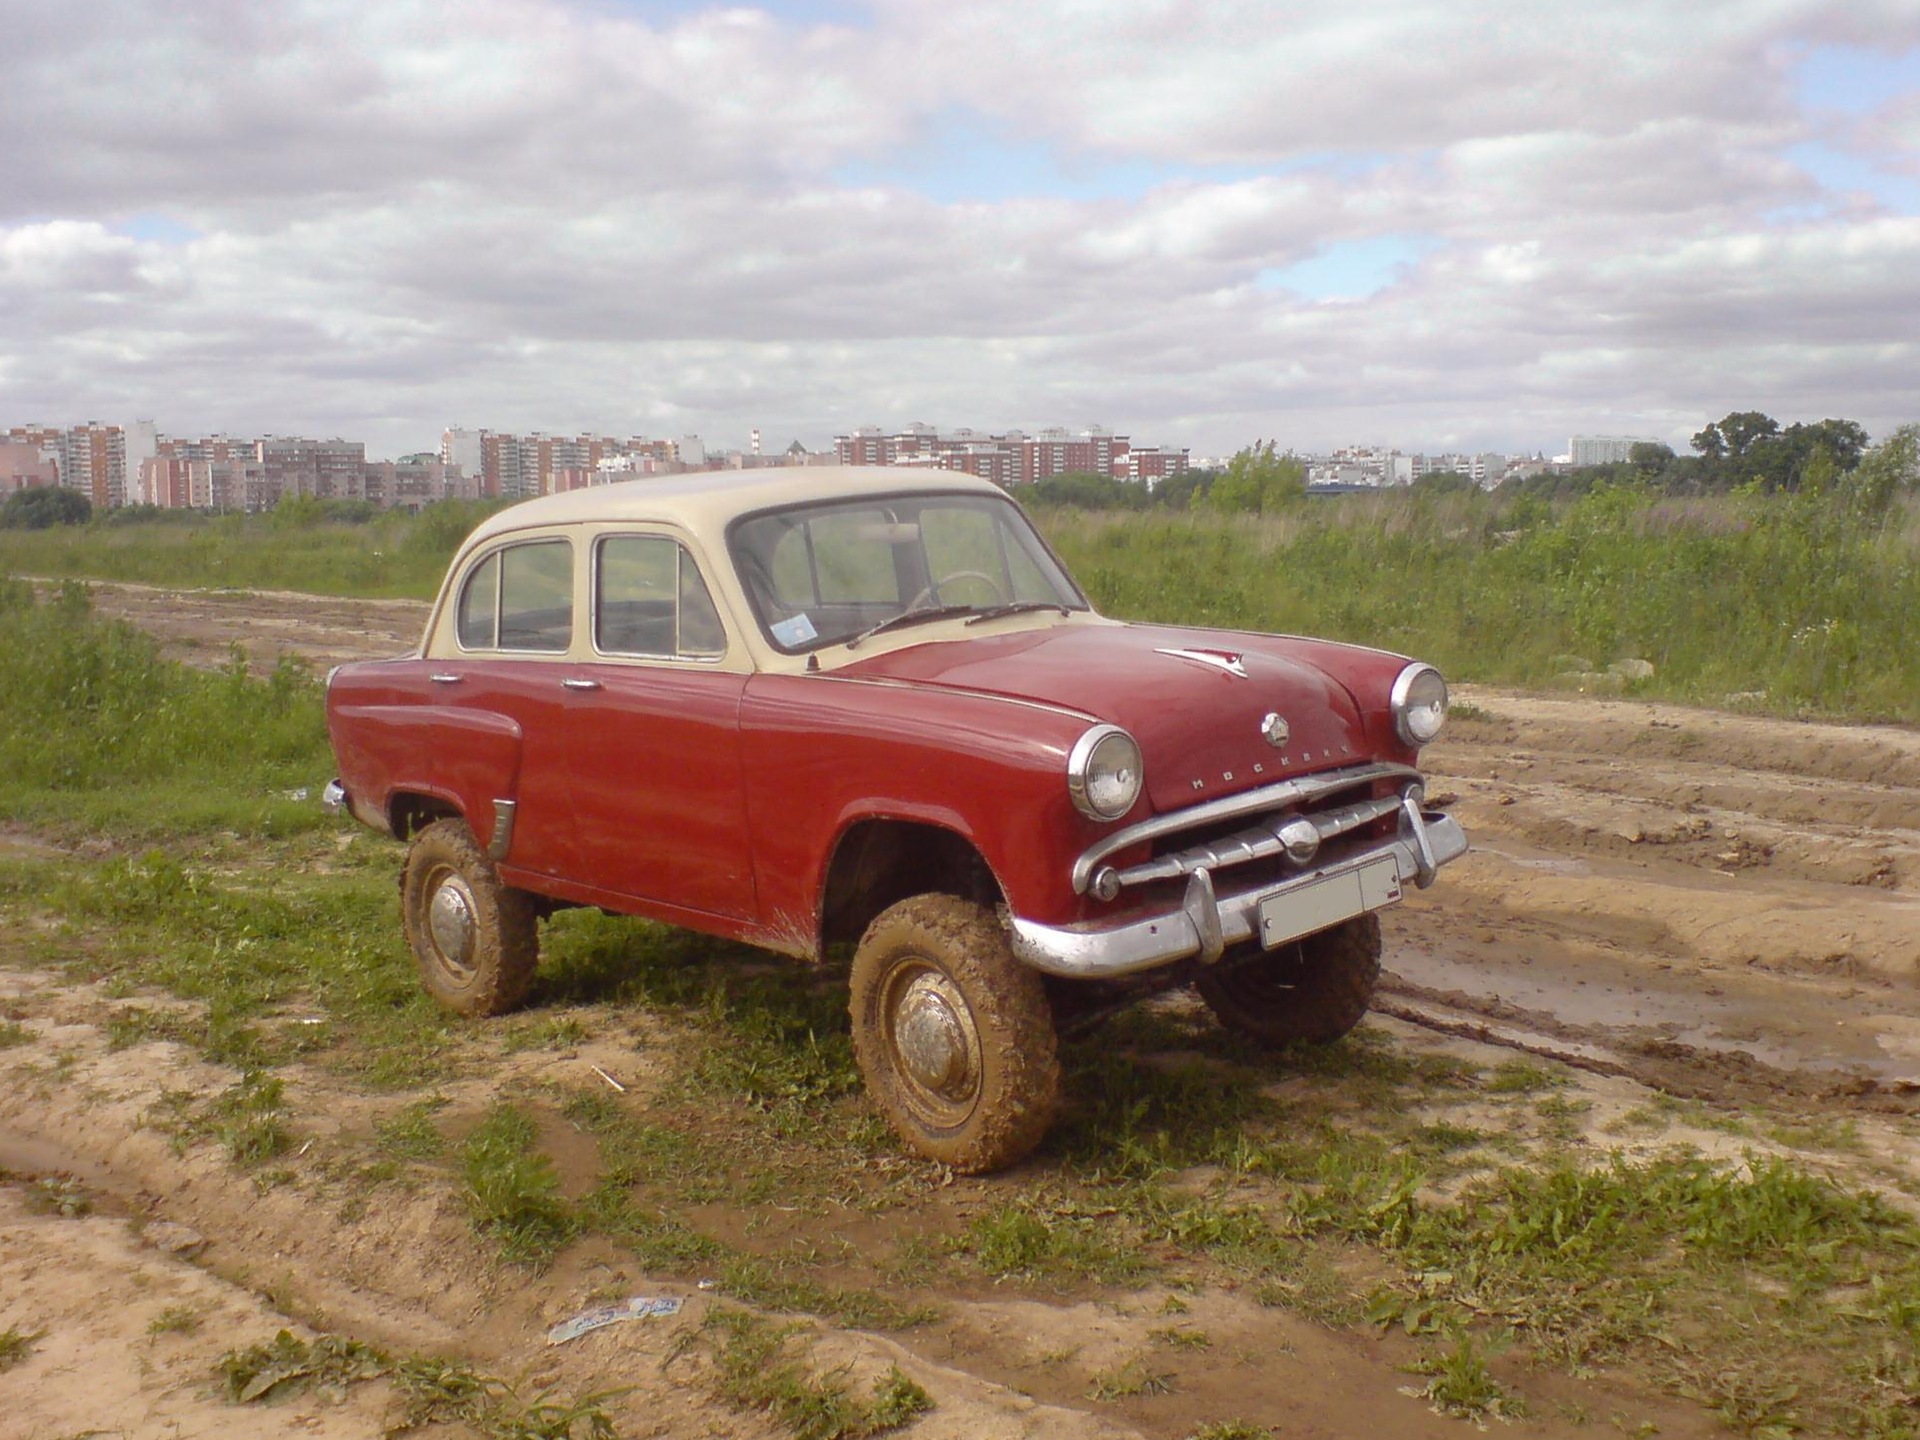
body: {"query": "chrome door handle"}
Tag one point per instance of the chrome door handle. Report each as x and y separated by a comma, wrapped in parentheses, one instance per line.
(579, 683)
(444, 679)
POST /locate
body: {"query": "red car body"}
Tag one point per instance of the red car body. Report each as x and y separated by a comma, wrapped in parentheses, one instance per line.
(758, 768)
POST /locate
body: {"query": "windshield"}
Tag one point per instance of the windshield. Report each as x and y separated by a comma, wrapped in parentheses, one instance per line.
(826, 574)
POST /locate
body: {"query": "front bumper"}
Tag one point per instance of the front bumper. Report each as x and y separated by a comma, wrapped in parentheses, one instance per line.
(1206, 923)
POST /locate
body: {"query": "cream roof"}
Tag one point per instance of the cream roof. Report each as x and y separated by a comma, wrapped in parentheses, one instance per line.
(704, 501)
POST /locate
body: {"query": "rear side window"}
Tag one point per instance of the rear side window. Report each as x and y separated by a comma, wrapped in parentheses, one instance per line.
(650, 600)
(520, 598)
(480, 606)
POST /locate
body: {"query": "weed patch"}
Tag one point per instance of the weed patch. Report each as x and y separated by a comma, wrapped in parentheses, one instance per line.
(439, 1392)
(1037, 1241)
(60, 1195)
(176, 1320)
(413, 1133)
(761, 1367)
(250, 1119)
(512, 1191)
(1460, 1384)
(16, 1345)
(1130, 1381)
(287, 1364)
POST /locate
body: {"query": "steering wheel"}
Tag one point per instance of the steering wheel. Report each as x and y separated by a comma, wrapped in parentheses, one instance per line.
(932, 592)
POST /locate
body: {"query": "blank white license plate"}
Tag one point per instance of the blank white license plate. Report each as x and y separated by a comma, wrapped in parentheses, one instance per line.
(1329, 900)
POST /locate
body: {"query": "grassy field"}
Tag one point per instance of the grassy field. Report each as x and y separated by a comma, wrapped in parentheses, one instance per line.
(101, 735)
(391, 556)
(1788, 604)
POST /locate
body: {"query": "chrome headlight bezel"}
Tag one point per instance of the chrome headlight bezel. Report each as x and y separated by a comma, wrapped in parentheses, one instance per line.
(1093, 757)
(1415, 706)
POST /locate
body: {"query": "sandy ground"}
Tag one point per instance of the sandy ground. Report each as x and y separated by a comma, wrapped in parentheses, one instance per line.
(1720, 906)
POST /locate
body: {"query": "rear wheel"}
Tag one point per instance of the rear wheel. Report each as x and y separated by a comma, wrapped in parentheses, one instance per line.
(1314, 989)
(953, 1035)
(475, 939)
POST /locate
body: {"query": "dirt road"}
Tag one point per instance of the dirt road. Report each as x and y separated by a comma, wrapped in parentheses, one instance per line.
(1716, 906)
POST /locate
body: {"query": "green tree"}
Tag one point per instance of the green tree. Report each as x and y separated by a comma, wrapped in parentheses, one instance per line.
(1735, 435)
(1884, 471)
(42, 506)
(1258, 481)
(1085, 490)
(1177, 492)
(1444, 482)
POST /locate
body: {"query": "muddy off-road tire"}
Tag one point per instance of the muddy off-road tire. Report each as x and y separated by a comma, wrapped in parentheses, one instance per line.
(476, 941)
(954, 1036)
(1314, 989)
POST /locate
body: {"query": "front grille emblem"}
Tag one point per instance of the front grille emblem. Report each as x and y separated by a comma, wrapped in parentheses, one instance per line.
(1275, 728)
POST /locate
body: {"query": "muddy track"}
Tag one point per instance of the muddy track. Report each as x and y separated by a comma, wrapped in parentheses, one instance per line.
(1719, 905)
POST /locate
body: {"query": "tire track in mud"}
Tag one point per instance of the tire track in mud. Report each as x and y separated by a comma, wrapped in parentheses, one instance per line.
(1721, 906)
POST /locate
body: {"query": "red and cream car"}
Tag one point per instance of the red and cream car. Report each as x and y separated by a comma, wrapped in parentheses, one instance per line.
(868, 707)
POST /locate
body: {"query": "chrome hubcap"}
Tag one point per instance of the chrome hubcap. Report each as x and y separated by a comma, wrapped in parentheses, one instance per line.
(934, 1039)
(450, 920)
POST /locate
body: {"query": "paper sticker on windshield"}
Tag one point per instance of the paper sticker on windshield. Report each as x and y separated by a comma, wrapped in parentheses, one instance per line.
(797, 630)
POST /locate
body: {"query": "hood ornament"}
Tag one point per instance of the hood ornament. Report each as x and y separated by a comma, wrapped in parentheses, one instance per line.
(1274, 726)
(1227, 662)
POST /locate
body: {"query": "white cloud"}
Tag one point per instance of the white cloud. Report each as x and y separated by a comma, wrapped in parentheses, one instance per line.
(377, 219)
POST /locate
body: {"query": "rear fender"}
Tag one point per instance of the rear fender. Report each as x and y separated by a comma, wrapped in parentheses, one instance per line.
(469, 757)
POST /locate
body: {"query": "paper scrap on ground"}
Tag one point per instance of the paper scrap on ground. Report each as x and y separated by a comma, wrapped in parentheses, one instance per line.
(638, 1308)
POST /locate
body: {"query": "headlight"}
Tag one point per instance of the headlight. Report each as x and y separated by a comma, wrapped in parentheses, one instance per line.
(1419, 704)
(1103, 773)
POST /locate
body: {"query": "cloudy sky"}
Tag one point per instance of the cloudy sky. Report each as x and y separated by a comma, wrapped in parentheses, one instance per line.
(1434, 224)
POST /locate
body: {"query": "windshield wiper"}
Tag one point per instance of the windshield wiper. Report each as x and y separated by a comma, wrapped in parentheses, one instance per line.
(1016, 607)
(910, 617)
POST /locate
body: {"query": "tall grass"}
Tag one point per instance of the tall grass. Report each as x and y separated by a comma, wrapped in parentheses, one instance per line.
(395, 556)
(99, 731)
(1796, 604)
(1801, 603)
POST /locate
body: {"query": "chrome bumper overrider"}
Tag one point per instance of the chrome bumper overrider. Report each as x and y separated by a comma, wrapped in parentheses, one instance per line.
(334, 797)
(1206, 922)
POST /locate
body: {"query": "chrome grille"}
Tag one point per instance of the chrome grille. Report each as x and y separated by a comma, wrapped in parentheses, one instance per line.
(1279, 827)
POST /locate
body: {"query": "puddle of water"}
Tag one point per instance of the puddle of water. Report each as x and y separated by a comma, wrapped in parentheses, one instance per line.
(1789, 1028)
(1552, 864)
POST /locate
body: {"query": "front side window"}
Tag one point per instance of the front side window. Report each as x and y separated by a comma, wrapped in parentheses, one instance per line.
(519, 598)
(649, 599)
(824, 574)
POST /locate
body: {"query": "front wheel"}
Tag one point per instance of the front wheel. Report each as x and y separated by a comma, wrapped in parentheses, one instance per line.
(475, 940)
(953, 1035)
(1314, 989)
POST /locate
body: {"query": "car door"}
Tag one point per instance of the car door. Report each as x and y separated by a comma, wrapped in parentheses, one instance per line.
(653, 734)
(513, 627)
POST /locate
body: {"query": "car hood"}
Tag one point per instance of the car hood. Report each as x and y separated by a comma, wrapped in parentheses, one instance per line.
(1195, 700)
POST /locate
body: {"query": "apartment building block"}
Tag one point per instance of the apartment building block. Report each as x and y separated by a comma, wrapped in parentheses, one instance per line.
(1011, 458)
(24, 466)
